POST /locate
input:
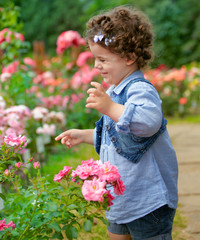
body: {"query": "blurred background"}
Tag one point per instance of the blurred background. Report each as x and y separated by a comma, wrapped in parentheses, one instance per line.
(176, 23)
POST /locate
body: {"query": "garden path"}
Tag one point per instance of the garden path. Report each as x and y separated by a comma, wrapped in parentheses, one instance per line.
(186, 141)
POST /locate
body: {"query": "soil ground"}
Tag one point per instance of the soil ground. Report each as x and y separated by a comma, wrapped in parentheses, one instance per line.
(186, 141)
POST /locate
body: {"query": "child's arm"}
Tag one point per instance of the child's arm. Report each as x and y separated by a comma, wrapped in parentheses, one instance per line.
(74, 137)
(99, 99)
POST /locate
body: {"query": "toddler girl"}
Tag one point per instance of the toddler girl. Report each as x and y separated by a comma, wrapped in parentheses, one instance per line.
(131, 133)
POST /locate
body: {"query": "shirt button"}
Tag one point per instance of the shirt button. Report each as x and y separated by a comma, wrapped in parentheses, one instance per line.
(107, 127)
(118, 150)
(113, 139)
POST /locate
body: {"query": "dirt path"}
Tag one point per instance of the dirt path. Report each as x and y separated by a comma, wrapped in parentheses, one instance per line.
(186, 141)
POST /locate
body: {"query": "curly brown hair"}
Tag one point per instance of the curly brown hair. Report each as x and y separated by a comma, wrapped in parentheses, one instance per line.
(129, 31)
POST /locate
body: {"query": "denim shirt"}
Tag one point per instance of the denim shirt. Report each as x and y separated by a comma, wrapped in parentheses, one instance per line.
(152, 181)
(128, 145)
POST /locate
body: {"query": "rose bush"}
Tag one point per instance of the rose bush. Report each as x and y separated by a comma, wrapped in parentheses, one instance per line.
(37, 209)
(51, 90)
(178, 88)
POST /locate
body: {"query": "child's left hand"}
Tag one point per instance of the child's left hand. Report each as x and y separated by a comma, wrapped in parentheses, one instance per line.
(99, 99)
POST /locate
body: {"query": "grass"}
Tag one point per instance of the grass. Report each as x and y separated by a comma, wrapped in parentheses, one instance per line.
(63, 156)
(193, 119)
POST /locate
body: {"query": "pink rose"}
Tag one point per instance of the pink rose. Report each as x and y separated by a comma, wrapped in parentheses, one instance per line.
(3, 225)
(108, 173)
(93, 190)
(18, 164)
(7, 172)
(83, 57)
(86, 169)
(13, 141)
(110, 198)
(36, 165)
(58, 177)
(119, 187)
(67, 39)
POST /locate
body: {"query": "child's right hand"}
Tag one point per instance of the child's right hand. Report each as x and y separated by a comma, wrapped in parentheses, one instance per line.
(71, 137)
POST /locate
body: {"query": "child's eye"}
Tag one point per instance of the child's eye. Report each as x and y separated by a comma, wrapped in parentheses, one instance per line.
(102, 60)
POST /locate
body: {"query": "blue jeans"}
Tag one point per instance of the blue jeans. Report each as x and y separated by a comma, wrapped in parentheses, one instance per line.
(156, 225)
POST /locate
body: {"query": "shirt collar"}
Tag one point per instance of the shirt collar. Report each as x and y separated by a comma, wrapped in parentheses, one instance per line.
(122, 85)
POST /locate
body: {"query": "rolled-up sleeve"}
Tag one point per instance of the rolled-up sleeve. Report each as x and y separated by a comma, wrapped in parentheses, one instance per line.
(142, 115)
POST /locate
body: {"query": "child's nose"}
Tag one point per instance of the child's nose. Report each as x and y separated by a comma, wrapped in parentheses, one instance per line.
(97, 64)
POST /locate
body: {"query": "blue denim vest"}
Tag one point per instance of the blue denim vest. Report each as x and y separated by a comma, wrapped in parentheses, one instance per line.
(128, 145)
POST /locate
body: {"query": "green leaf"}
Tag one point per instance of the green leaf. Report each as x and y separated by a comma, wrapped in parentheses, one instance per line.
(72, 206)
(14, 233)
(55, 226)
(3, 196)
(88, 225)
(57, 236)
(71, 232)
(52, 206)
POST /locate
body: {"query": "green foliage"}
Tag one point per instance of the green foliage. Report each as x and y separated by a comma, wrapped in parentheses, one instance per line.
(10, 16)
(41, 209)
(52, 18)
(176, 42)
(17, 88)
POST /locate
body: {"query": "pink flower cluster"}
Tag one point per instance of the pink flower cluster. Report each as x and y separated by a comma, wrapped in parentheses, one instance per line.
(13, 120)
(9, 171)
(83, 57)
(63, 173)
(11, 68)
(49, 119)
(52, 101)
(68, 39)
(6, 35)
(8, 71)
(3, 225)
(83, 76)
(49, 129)
(162, 74)
(96, 176)
(14, 141)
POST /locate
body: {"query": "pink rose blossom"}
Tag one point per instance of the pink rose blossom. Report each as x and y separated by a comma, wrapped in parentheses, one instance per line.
(13, 141)
(7, 35)
(5, 76)
(83, 76)
(58, 177)
(108, 172)
(39, 113)
(86, 169)
(93, 190)
(83, 57)
(29, 61)
(3, 225)
(110, 198)
(119, 187)
(18, 164)
(49, 129)
(7, 172)
(11, 68)
(36, 165)
(68, 39)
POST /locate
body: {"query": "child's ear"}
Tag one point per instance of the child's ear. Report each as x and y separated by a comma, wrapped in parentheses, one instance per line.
(131, 61)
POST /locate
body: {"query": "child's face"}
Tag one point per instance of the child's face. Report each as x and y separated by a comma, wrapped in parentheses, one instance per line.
(112, 67)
